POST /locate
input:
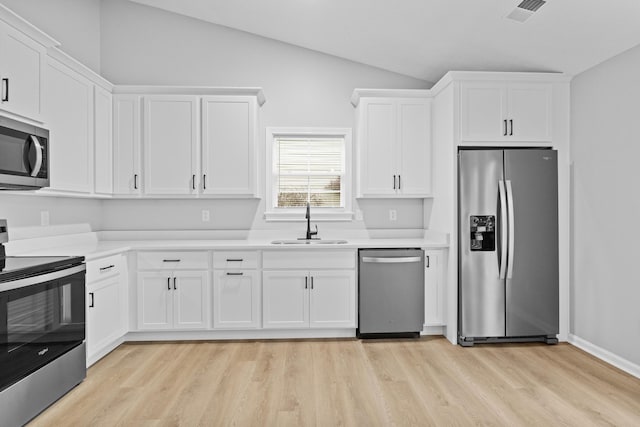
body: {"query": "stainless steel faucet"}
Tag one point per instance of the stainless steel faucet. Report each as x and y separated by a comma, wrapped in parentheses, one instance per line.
(310, 233)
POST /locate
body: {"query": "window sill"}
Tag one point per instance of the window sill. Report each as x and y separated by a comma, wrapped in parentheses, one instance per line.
(315, 216)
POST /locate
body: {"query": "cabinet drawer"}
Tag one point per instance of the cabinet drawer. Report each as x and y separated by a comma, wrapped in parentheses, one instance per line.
(235, 259)
(309, 259)
(173, 260)
(102, 268)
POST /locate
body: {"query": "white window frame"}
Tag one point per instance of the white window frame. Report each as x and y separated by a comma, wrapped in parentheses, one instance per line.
(274, 213)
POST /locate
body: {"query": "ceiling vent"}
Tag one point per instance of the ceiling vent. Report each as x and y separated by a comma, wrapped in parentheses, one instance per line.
(525, 9)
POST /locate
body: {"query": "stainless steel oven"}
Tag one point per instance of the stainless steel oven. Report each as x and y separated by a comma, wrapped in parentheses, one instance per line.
(42, 331)
(24, 156)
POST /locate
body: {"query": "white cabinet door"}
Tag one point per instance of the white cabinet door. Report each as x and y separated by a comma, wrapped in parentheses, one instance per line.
(104, 320)
(69, 113)
(433, 288)
(170, 144)
(228, 145)
(21, 70)
(376, 144)
(155, 300)
(511, 112)
(530, 111)
(191, 299)
(285, 299)
(483, 111)
(332, 299)
(414, 152)
(103, 152)
(236, 299)
(126, 144)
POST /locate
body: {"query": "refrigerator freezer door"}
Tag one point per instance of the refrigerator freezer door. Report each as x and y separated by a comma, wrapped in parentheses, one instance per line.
(532, 306)
(482, 297)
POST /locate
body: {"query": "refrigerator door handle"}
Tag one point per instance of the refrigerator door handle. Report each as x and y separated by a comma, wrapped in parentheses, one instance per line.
(511, 230)
(502, 262)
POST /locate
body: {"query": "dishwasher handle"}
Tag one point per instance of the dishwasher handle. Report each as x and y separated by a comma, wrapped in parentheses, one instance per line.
(391, 260)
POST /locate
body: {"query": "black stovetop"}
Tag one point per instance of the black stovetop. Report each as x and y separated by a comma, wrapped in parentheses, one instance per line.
(15, 267)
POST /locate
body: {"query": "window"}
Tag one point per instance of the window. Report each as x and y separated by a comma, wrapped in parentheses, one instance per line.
(308, 166)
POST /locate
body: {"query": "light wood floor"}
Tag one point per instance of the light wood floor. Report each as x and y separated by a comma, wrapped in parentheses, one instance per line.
(348, 382)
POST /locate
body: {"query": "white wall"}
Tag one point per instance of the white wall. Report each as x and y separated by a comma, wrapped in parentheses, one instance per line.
(143, 45)
(24, 210)
(605, 148)
(74, 23)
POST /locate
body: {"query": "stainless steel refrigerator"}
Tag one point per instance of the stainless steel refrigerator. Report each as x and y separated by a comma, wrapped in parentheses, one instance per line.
(508, 245)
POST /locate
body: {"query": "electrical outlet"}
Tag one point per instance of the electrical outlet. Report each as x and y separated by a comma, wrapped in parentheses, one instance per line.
(44, 218)
(206, 215)
(393, 215)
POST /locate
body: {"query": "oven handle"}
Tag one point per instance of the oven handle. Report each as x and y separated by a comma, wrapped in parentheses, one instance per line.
(34, 280)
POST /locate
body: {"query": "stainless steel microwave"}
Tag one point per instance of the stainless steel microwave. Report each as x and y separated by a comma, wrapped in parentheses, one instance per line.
(24, 156)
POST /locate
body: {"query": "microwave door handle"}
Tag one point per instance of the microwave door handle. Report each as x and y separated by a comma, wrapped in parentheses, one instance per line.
(38, 148)
(502, 262)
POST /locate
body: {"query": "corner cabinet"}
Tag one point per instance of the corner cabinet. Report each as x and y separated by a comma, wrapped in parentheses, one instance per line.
(393, 143)
(193, 142)
(320, 292)
(499, 111)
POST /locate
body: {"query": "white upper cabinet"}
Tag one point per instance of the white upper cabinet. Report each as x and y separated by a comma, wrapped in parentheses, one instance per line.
(21, 73)
(228, 145)
(170, 144)
(103, 153)
(69, 115)
(197, 142)
(394, 146)
(498, 111)
(126, 144)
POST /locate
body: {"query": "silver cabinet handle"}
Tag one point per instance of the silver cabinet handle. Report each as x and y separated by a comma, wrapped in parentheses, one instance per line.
(396, 260)
(502, 262)
(234, 274)
(512, 237)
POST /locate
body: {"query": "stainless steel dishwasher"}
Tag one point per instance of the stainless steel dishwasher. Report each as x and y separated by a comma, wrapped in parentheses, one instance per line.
(390, 293)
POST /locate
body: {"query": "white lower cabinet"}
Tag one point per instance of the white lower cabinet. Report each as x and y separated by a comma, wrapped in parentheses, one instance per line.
(316, 298)
(173, 300)
(106, 306)
(236, 299)
(434, 298)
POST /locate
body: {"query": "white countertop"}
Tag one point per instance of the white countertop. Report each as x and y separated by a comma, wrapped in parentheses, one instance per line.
(82, 242)
(100, 249)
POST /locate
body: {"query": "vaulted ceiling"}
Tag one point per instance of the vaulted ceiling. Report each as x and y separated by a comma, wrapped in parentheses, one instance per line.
(426, 38)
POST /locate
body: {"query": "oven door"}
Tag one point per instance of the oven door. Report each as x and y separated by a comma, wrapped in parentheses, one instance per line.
(39, 322)
(23, 156)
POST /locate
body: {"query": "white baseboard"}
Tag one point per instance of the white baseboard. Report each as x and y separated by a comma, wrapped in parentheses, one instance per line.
(605, 355)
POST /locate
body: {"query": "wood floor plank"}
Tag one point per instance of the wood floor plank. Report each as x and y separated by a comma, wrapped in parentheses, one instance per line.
(348, 382)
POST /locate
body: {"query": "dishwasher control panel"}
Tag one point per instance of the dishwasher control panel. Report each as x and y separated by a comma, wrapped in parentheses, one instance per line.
(483, 233)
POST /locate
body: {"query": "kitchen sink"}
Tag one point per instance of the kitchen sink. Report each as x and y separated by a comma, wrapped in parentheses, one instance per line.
(309, 242)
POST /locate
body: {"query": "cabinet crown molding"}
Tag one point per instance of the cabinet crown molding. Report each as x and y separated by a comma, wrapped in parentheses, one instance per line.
(498, 76)
(388, 93)
(191, 90)
(19, 23)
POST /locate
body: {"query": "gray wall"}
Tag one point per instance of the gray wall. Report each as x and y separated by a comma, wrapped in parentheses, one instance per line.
(74, 23)
(143, 45)
(605, 148)
(24, 211)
